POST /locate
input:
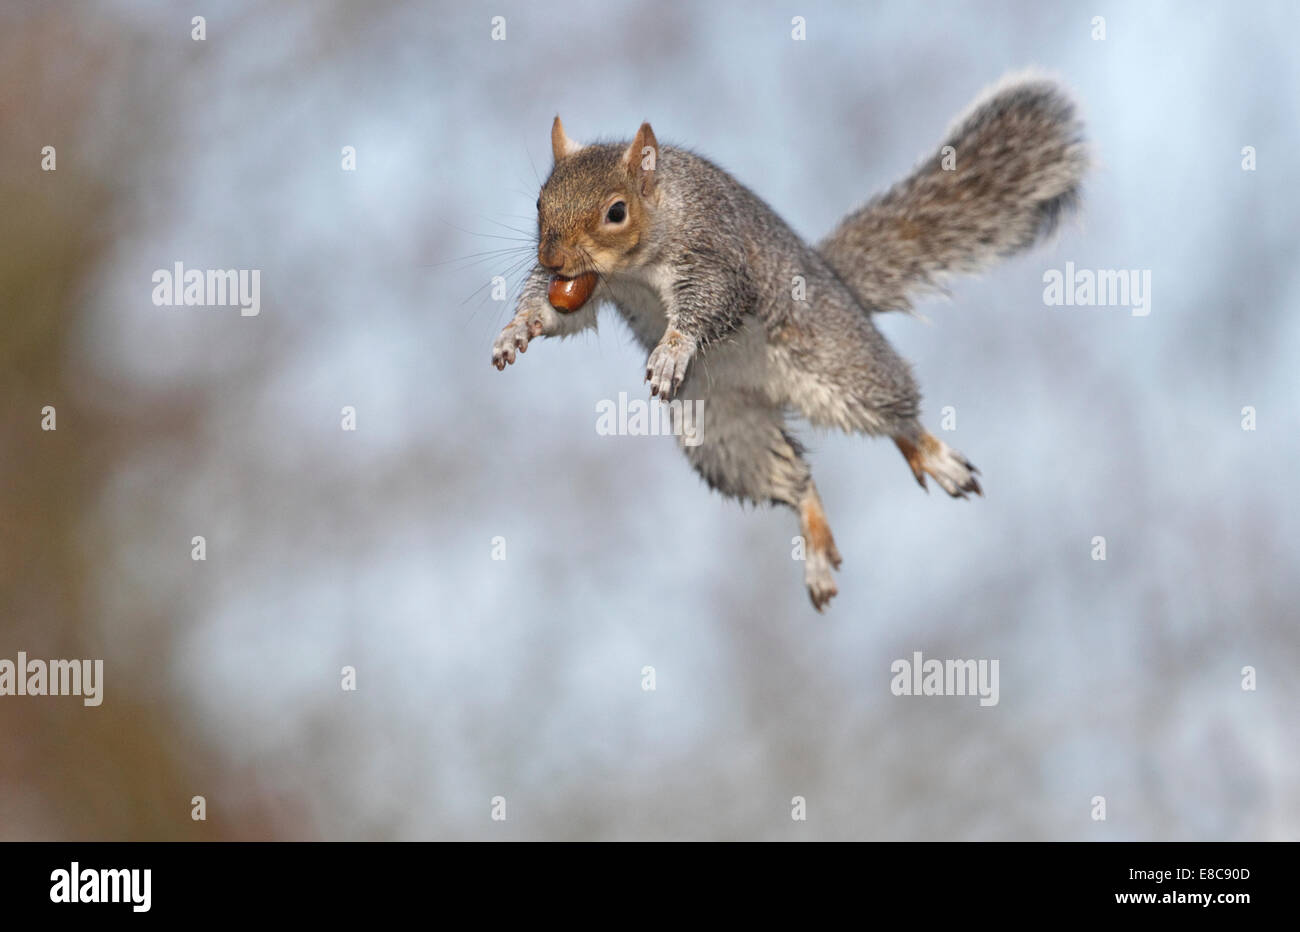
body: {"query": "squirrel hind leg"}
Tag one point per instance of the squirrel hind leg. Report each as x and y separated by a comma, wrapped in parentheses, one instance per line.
(741, 448)
(926, 454)
(820, 554)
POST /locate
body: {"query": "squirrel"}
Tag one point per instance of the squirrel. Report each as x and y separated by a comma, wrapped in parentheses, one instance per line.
(737, 312)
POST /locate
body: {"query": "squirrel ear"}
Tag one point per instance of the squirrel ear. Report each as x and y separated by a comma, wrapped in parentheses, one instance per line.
(561, 144)
(642, 158)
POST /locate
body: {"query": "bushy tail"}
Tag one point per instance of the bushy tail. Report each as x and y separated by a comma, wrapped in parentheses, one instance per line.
(1013, 169)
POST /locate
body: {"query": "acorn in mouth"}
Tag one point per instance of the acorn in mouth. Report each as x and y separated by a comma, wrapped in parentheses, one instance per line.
(568, 294)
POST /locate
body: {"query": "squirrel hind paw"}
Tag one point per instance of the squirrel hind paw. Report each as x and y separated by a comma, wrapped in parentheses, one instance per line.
(931, 456)
(817, 577)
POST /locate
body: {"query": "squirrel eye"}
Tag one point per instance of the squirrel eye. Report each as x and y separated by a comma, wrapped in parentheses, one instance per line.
(539, 203)
(617, 212)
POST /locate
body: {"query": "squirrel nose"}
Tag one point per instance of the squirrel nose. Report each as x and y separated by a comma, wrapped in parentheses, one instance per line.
(551, 260)
(549, 253)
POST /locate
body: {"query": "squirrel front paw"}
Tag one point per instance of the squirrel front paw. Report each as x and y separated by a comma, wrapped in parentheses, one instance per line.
(515, 336)
(666, 367)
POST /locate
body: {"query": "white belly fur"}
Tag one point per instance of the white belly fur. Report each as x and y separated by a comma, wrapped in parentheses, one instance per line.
(739, 362)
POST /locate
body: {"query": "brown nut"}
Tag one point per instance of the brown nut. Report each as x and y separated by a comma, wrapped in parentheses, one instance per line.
(568, 294)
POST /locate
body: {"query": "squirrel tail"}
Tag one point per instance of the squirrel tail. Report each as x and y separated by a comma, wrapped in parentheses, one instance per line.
(1009, 170)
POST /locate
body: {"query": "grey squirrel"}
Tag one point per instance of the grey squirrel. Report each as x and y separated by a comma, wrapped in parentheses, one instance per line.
(738, 312)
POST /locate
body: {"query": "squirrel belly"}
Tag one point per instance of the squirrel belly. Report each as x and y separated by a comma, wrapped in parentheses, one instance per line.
(742, 362)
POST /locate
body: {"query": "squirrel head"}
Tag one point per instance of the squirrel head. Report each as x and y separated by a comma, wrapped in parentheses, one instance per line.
(597, 204)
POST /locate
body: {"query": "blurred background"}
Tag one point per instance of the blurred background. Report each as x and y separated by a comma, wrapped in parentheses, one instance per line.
(522, 678)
